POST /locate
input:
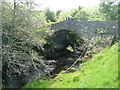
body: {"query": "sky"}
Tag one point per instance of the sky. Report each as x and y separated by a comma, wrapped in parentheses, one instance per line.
(65, 4)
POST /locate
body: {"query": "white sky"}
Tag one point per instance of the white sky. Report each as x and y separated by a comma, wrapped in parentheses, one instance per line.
(65, 4)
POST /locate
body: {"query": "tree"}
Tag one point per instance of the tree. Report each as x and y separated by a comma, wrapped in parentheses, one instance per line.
(79, 14)
(58, 13)
(109, 10)
(64, 14)
(50, 15)
(21, 42)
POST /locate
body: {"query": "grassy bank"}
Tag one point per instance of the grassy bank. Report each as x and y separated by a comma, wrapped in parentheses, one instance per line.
(100, 72)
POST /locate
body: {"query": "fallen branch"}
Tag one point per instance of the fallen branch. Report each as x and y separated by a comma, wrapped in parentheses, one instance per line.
(79, 59)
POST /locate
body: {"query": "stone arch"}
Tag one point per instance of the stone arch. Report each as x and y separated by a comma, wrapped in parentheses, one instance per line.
(62, 39)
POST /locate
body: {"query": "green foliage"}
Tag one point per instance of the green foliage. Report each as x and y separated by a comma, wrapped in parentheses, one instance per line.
(22, 18)
(94, 14)
(70, 48)
(105, 11)
(100, 72)
(79, 14)
(50, 15)
(98, 41)
(58, 13)
(102, 12)
(24, 32)
(44, 32)
(40, 84)
(109, 10)
(63, 15)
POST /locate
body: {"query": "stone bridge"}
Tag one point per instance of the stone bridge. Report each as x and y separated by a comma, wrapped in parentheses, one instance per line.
(88, 29)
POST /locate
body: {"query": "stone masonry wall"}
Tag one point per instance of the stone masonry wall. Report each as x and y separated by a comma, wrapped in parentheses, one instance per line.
(88, 29)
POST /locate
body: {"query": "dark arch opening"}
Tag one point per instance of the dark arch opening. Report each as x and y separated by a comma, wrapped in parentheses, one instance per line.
(64, 46)
(62, 43)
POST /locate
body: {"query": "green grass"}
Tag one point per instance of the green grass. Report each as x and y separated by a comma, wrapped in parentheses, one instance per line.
(99, 72)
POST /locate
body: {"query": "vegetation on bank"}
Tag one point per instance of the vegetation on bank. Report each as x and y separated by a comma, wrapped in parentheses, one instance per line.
(99, 72)
(24, 33)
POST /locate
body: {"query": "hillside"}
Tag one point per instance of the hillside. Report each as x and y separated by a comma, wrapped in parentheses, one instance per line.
(99, 72)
